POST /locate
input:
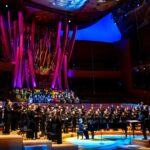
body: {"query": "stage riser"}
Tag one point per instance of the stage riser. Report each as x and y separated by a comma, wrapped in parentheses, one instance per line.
(9, 142)
(65, 146)
(35, 143)
(87, 105)
(145, 143)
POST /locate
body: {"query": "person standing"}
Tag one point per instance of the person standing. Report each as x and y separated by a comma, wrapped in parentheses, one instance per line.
(82, 129)
(142, 117)
(7, 116)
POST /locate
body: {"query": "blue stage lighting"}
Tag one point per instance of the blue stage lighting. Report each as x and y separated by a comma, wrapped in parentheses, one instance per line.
(104, 30)
(103, 142)
(36, 147)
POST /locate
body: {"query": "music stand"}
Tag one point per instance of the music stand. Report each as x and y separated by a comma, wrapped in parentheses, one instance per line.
(131, 122)
(101, 137)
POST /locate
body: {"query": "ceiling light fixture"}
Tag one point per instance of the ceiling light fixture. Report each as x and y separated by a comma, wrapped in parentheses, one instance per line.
(67, 4)
(101, 1)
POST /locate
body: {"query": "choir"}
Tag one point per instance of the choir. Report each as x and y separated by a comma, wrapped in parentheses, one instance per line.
(39, 120)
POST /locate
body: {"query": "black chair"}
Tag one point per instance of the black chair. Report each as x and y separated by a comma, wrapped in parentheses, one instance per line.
(79, 133)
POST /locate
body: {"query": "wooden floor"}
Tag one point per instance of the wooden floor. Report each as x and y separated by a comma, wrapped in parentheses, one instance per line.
(64, 146)
(141, 142)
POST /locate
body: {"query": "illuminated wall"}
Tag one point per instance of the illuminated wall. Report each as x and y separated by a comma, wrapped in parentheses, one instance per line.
(104, 30)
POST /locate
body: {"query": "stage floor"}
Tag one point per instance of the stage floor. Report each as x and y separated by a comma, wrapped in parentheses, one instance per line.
(106, 142)
(110, 140)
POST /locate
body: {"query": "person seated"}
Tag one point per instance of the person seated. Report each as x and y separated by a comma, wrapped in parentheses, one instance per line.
(30, 99)
(76, 100)
(56, 99)
(48, 98)
(83, 129)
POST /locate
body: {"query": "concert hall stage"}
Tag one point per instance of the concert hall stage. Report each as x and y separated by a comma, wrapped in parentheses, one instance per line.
(104, 138)
(114, 141)
(110, 142)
